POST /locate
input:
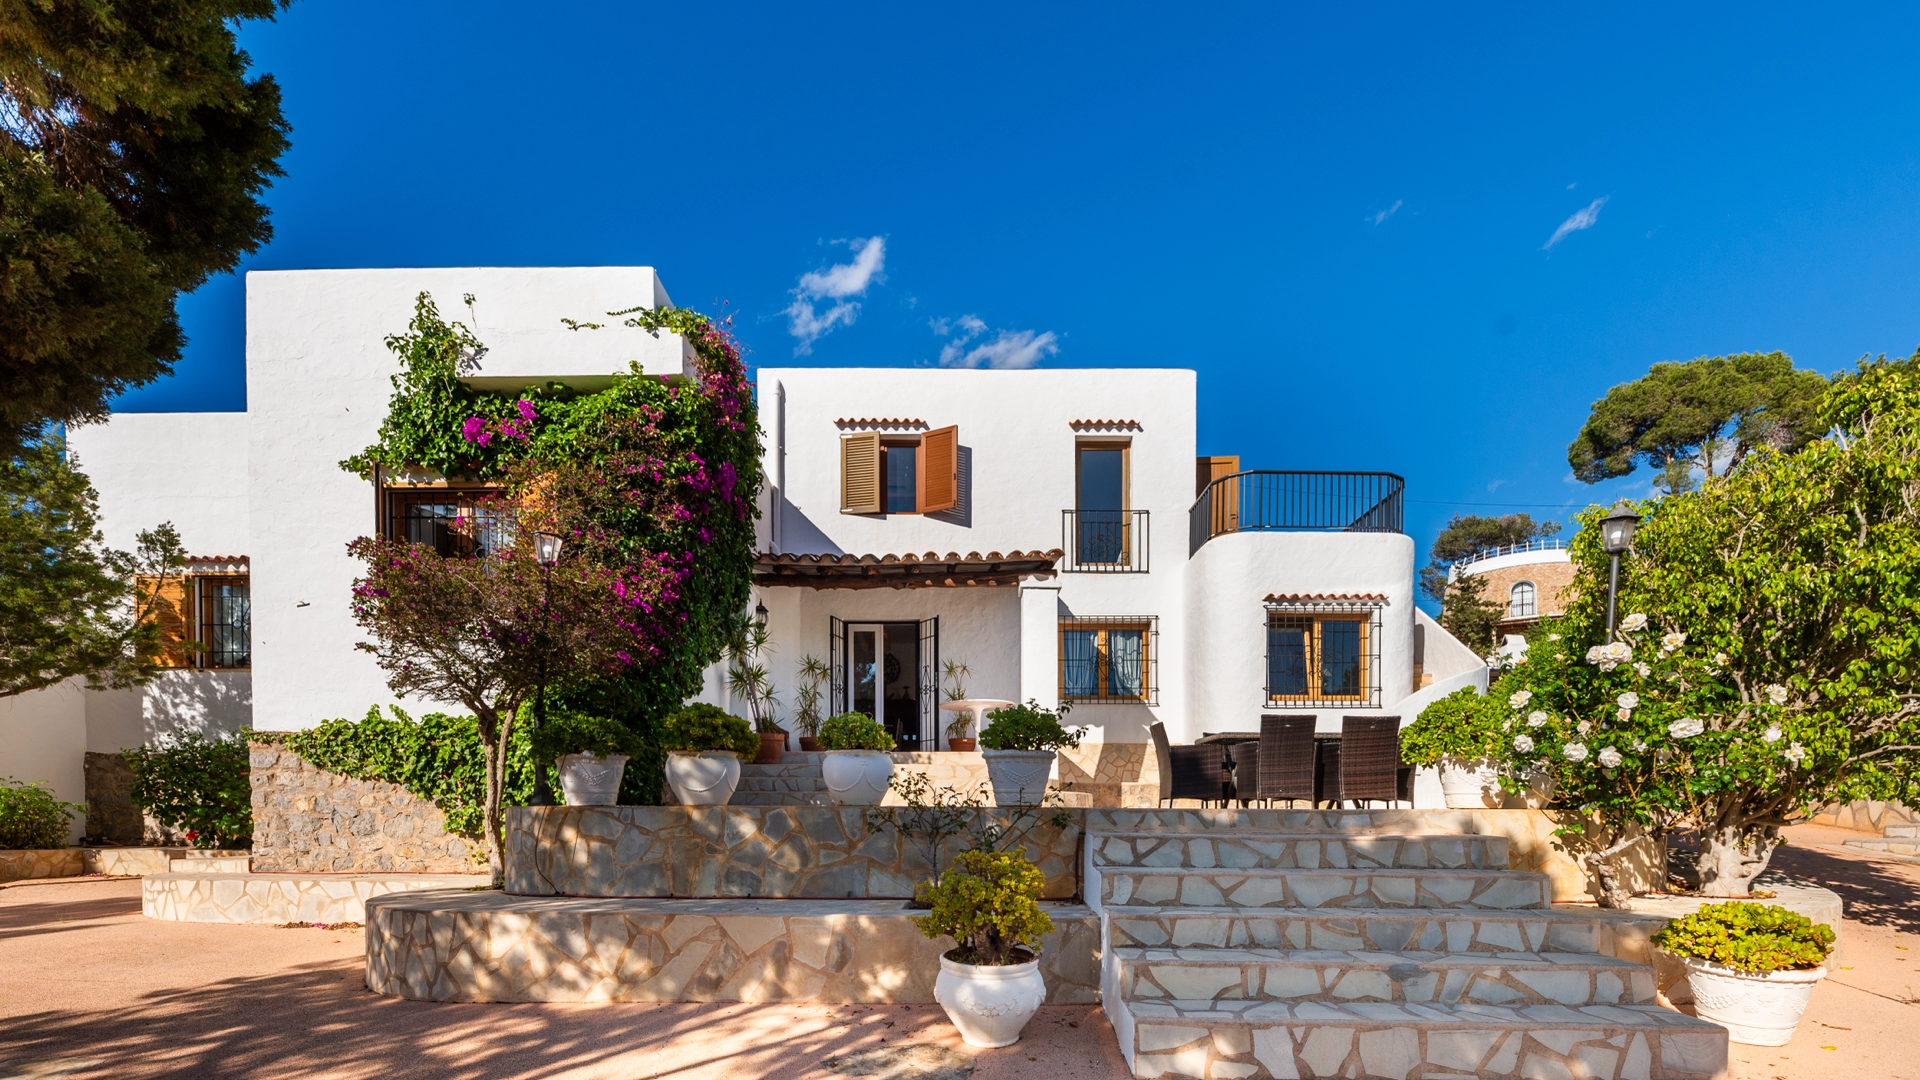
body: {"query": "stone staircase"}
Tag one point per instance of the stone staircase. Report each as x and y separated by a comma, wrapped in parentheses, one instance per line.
(796, 780)
(1298, 944)
(1893, 840)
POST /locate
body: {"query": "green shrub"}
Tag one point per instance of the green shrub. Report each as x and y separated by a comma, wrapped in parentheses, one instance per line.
(989, 902)
(1027, 727)
(1755, 938)
(854, 731)
(569, 732)
(436, 757)
(1464, 724)
(31, 818)
(198, 785)
(701, 727)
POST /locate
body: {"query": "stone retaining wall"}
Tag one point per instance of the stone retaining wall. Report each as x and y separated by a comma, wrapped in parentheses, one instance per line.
(111, 816)
(275, 899)
(22, 864)
(308, 820)
(1869, 815)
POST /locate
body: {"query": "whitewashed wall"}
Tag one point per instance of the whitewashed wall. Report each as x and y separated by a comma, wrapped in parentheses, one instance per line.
(209, 703)
(187, 468)
(43, 737)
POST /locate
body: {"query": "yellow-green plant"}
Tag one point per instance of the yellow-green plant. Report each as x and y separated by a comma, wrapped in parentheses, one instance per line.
(854, 731)
(1754, 938)
(989, 903)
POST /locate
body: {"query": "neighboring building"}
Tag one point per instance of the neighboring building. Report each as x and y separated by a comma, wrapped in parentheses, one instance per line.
(1529, 581)
(1055, 530)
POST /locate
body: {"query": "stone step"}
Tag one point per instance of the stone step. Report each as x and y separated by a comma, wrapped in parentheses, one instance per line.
(1254, 848)
(1457, 931)
(780, 783)
(1237, 819)
(1894, 846)
(237, 864)
(769, 772)
(1511, 978)
(1250, 1040)
(780, 798)
(1901, 832)
(1499, 889)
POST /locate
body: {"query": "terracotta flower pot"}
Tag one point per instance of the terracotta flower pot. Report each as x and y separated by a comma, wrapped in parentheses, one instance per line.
(772, 745)
(963, 746)
(809, 744)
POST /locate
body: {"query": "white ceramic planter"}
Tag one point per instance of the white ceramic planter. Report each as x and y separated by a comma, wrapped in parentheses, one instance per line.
(1469, 785)
(989, 1004)
(1019, 777)
(1758, 1010)
(590, 780)
(706, 778)
(857, 777)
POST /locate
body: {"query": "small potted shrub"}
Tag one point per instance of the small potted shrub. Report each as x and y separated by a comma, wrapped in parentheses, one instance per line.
(959, 737)
(989, 982)
(1458, 733)
(806, 702)
(1751, 966)
(857, 768)
(1021, 743)
(704, 745)
(589, 752)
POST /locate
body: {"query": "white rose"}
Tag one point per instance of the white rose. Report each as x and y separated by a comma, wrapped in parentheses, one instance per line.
(1777, 694)
(1553, 637)
(1685, 728)
(1639, 746)
(1795, 753)
(1634, 623)
(1585, 726)
(1523, 744)
(1573, 751)
(1628, 700)
(1623, 715)
(1536, 718)
(1520, 698)
(1772, 734)
(1673, 641)
(1720, 658)
(1643, 669)
(1611, 758)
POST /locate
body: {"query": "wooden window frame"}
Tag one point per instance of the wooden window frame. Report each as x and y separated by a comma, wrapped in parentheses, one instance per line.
(1147, 625)
(889, 443)
(1368, 694)
(1125, 446)
(864, 450)
(196, 588)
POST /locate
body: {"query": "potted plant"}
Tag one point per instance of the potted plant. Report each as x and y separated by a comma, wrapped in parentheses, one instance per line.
(989, 982)
(704, 745)
(955, 674)
(1459, 733)
(1021, 743)
(589, 752)
(806, 701)
(857, 767)
(1751, 966)
(749, 680)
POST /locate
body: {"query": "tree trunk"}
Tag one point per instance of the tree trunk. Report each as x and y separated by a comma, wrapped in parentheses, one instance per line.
(1732, 856)
(495, 738)
(1614, 892)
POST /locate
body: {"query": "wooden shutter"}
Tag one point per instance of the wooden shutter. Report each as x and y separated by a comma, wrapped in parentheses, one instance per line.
(169, 609)
(860, 487)
(939, 473)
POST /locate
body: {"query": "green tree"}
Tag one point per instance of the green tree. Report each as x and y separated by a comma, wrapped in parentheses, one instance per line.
(1468, 534)
(69, 605)
(133, 153)
(1468, 615)
(1769, 662)
(1706, 414)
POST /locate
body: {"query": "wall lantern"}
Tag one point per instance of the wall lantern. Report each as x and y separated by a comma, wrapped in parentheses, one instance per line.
(546, 549)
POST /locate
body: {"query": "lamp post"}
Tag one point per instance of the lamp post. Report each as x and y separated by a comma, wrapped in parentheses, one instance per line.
(546, 551)
(1616, 537)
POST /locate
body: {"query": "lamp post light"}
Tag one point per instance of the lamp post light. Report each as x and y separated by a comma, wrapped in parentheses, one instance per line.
(546, 552)
(1616, 538)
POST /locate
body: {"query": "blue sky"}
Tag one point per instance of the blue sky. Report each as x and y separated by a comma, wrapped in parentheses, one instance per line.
(1389, 237)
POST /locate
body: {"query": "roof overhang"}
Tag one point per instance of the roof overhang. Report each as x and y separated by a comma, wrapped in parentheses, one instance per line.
(1326, 602)
(909, 571)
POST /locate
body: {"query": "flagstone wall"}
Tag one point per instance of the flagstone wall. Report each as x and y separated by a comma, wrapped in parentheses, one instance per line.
(307, 819)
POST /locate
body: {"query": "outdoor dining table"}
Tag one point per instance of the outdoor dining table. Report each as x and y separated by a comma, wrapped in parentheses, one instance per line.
(1326, 759)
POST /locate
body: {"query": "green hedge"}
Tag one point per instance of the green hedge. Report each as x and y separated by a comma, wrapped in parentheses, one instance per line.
(31, 818)
(198, 785)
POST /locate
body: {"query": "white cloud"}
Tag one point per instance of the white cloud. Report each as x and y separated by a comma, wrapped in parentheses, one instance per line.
(1387, 213)
(836, 283)
(1582, 219)
(1004, 349)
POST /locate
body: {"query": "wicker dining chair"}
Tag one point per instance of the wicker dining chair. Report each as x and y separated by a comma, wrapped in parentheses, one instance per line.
(1189, 772)
(1369, 758)
(1245, 769)
(1286, 758)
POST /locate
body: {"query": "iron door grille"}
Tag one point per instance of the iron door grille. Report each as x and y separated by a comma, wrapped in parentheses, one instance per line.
(836, 659)
(930, 684)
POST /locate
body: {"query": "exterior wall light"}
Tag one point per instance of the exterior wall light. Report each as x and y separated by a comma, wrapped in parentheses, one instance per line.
(546, 549)
(1616, 539)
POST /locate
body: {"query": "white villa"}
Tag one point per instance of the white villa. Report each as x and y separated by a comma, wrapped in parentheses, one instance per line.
(1057, 531)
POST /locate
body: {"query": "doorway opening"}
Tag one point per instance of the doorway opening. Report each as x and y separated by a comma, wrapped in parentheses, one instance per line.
(886, 670)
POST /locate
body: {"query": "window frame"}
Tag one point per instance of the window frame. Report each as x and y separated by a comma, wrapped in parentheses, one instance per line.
(915, 490)
(1533, 600)
(1314, 617)
(464, 497)
(197, 588)
(1102, 626)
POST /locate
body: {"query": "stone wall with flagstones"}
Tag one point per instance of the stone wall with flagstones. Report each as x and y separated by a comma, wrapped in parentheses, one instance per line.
(309, 820)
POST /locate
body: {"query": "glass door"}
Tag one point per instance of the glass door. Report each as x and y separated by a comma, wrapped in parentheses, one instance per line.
(883, 677)
(1101, 502)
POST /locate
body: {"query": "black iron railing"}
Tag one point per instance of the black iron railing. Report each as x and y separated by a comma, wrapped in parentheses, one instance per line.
(1270, 501)
(1104, 541)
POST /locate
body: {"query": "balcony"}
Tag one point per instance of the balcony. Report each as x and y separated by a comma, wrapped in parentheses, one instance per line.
(1272, 501)
(1104, 541)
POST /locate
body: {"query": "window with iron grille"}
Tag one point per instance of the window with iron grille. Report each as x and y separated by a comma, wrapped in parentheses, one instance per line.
(1323, 655)
(456, 522)
(225, 622)
(1521, 600)
(1110, 659)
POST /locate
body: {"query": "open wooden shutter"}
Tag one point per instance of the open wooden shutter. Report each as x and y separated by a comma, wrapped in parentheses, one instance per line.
(860, 489)
(169, 609)
(939, 478)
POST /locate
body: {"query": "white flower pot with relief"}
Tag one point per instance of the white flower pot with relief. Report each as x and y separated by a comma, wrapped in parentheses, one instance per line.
(1469, 785)
(857, 777)
(591, 780)
(1758, 1010)
(990, 1005)
(1019, 777)
(703, 778)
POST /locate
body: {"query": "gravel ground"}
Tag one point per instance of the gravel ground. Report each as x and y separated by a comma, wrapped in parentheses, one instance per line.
(93, 990)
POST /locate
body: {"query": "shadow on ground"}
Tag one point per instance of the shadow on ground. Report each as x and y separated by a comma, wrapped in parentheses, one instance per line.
(1878, 893)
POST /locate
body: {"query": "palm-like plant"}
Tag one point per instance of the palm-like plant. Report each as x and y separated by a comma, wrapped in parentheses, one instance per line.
(956, 674)
(806, 696)
(748, 678)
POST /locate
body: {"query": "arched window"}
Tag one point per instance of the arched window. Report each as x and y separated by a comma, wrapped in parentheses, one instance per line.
(1520, 601)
